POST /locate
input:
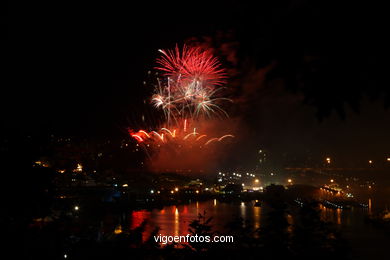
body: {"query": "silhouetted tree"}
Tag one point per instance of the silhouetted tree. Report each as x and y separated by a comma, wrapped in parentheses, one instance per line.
(313, 237)
(273, 234)
(201, 227)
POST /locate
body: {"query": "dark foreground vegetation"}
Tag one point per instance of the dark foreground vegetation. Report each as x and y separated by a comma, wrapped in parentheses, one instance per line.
(79, 236)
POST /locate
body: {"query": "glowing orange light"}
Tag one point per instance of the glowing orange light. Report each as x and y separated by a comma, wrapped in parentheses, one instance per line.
(169, 131)
(225, 136)
(139, 138)
(200, 137)
(211, 140)
(118, 230)
(145, 133)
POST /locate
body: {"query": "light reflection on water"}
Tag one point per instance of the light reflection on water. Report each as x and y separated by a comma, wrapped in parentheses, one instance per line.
(174, 220)
(256, 217)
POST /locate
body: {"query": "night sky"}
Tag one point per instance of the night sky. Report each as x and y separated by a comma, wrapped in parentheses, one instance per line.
(305, 77)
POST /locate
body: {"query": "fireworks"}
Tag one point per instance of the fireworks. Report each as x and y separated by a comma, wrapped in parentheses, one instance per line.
(192, 64)
(180, 139)
(192, 80)
(188, 92)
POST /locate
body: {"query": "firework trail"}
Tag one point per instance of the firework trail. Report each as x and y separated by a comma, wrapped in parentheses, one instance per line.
(159, 137)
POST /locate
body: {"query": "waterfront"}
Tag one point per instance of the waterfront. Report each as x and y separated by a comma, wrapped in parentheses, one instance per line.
(174, 220)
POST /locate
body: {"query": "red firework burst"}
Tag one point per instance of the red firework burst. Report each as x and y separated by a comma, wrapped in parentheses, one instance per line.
(192, 64)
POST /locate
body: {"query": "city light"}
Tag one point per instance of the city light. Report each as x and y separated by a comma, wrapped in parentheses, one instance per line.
(331, 180)
(257, 181)
(176, 189)
(328, 160)
(370, 161)
(76, 208)
(289, 181)
(43, 164)
(79, 168)
(118, 230)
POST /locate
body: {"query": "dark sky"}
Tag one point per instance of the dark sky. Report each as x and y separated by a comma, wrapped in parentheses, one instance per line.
(77, 68)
